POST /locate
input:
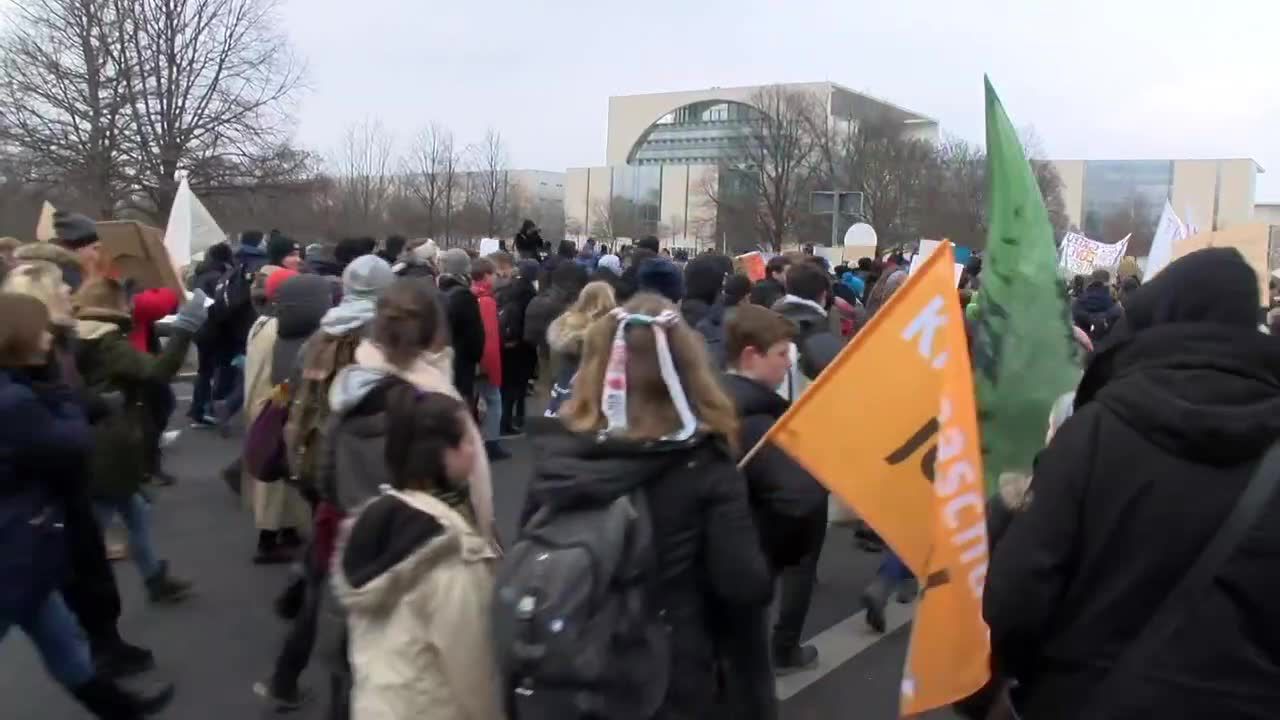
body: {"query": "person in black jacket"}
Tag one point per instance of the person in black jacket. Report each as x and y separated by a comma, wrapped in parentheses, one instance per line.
(707, 549)
(805, 304)
(713, 326)
(1171, 419)
(774, 284)
(703, 280)
(552, 300)
(216, 263)
(790, 506)
(466, 329)
(519, 358)
(1096, 311)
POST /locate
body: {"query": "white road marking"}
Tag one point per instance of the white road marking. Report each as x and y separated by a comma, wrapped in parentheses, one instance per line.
(840, 642)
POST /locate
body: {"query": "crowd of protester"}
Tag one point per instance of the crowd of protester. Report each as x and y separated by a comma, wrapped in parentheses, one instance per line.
(379, 383)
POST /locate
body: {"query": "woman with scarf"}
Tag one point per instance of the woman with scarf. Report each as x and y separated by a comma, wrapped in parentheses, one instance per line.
(648, 413)
(1172, 416)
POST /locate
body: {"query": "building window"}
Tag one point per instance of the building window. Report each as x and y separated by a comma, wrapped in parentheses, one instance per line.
(1123, 197)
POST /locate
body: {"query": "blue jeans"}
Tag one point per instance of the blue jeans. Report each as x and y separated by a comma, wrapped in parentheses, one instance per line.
(491, 428)
(58, 637)
(892, 568)
(137, 520)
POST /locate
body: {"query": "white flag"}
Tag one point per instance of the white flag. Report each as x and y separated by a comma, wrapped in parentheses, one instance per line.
(191, 228)
(1168, 231)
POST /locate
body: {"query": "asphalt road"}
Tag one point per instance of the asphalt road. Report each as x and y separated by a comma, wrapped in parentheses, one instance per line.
(219, 643)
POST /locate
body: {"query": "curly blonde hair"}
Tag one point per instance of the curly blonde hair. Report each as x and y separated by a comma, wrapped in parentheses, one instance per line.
(593, 303)
(650, 412)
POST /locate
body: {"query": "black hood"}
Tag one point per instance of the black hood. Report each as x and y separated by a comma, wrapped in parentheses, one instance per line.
(300, 303)
(1096, 299)
(1187, 366)
(574, 469)
(753, 398)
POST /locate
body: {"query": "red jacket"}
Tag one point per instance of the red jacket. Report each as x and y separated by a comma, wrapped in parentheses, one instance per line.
(148, 307)
(491, 361)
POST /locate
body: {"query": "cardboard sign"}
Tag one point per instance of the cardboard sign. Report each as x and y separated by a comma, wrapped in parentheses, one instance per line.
(752, 265)
(137, 252)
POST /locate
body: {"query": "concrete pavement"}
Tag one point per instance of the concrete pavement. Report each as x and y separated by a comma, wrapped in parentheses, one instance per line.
(223, 640)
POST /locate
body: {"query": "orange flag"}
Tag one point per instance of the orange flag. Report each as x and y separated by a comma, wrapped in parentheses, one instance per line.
(913, 470)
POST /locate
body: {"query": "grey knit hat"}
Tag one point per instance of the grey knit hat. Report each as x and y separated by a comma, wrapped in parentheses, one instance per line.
(456, 262)
(73, 230)
(367, 276)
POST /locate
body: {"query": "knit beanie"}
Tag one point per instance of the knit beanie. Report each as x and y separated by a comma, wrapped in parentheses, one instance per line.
(73, 230)
(456, 262)
(280, 247)
(661, 276)
(366, 277)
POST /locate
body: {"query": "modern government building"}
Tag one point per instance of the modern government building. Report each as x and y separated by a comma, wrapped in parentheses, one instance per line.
(664, 154)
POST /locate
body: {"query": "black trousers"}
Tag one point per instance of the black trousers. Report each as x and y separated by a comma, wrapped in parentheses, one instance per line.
(300, 642)
(90, 589)
(517, 369)
(797, 582)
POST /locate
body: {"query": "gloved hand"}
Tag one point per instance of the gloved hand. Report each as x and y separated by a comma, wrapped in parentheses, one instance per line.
(193, 314)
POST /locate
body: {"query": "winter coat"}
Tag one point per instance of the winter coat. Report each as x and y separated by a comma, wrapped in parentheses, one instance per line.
(513, 302)
(73, 272)
(816, 345)
(232, 332)
(491, 360)
(713, 327)
(1170, 422)
(466, 329)
(149, 306)
(1094, 309)
(111, 366)
(45, 441)
(275, 505)
(783, 495)
(356, 464)
(705, 541)
(542, 311)
(416, 580)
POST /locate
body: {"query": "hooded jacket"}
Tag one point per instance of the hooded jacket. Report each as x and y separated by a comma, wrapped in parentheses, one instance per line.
(704, 538)
(1096, 306)
(109, 366)
(783, 495)
(1171, 419)
(149, 306)
(356, 466)
(301, 303)
(513, 303)
(491, 359)
(233, 330)
(816, 345)
(67, 261)
(416, 580)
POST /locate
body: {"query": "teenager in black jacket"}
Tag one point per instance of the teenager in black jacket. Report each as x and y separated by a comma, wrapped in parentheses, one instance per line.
(466, 329)
(519, 358)
(707, 548)
(1171, 419)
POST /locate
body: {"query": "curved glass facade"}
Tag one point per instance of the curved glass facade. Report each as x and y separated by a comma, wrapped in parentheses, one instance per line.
(704, 133)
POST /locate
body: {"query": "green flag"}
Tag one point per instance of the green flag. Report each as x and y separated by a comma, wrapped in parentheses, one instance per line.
(1023, 351)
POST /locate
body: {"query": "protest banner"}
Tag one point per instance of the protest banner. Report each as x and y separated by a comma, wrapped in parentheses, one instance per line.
(1080, 256)
(1023, 349)
(489, 246)
(913, 473)
(135, 251)
(1251, 240)
(752, 265)
(44, 225)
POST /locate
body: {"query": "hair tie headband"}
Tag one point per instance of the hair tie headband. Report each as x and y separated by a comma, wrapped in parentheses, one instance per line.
(614, 403)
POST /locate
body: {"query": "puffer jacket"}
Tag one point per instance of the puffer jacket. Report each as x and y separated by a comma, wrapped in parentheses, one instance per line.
(416, 580)
(110, 365)
(705, 541)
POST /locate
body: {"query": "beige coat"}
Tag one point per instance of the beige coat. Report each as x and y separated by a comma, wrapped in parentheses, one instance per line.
(275, 505)
(419, 621)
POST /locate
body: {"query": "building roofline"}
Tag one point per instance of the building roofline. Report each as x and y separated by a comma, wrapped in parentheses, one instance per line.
(1256, 164)
(916, 116)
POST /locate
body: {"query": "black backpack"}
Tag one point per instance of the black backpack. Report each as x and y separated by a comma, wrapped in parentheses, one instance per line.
(233, 292)
(577, 629)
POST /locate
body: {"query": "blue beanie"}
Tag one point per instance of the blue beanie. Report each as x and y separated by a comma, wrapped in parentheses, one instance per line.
(661, 276)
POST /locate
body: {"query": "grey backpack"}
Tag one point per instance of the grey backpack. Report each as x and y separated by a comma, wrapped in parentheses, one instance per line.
(577, 628)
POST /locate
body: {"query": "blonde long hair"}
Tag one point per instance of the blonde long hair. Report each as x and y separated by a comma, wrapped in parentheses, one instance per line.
(593, 303)
(42, 280)
(650, 413)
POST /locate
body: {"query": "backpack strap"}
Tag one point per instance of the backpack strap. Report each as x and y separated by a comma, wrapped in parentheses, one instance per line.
(1174, 608)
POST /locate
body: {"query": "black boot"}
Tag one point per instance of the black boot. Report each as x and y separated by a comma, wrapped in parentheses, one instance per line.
(114, 658)
(164, 588)
(108, 701)
(874, 599)
(794, 658)
(495, 451)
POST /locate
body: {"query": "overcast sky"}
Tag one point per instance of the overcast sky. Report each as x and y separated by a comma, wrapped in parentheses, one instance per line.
(1115, 79)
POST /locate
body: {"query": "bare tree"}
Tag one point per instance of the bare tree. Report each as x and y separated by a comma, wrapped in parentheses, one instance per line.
(429, 169)
(61, 105)
(776, 150)
(489, 182)
(207, 84)
(364, 163)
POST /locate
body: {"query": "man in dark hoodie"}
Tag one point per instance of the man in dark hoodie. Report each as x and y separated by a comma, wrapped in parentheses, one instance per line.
(519, 357)
(1096, 311)
(703, 279)
(805, 304)
(217, 261)
(713, 327)
(466, 327)
(1171, 420)
(528, 241)
(790, 507)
